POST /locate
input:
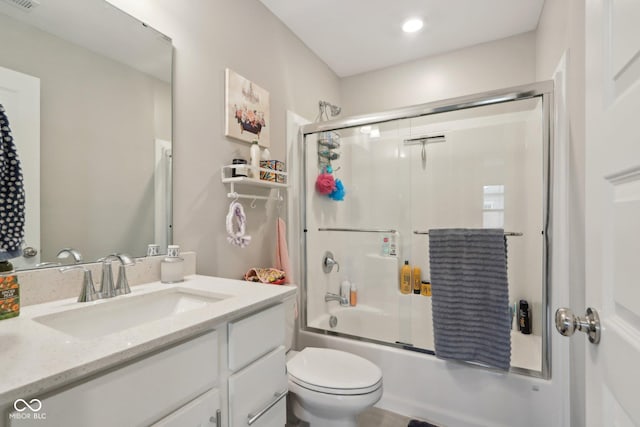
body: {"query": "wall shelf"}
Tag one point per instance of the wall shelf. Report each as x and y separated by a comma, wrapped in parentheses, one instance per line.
(243, 181)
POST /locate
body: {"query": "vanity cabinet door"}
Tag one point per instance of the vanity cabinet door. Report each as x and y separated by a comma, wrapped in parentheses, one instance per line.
(136, 394)
(257, 393)
(203, 411)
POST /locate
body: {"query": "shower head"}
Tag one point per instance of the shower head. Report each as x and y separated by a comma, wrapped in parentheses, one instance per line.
(334, 109)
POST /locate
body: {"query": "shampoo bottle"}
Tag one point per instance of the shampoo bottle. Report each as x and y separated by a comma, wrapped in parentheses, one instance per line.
(405, 278)
(353, 295)
(524, 317)
(417, 282)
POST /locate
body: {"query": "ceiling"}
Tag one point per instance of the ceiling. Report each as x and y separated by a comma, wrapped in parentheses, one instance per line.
(356, 36)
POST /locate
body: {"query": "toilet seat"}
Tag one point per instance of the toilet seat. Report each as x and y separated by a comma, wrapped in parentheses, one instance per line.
(334, 372)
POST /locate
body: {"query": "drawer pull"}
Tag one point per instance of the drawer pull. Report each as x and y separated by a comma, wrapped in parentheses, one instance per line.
(251, 418)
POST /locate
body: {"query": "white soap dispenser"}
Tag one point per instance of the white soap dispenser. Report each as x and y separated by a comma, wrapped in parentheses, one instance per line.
(172, 266)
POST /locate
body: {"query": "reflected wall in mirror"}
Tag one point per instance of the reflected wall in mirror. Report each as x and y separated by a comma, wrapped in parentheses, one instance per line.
(103, 140)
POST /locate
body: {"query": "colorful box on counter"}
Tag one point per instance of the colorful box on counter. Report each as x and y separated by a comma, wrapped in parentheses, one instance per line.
(9, 296)
(275, 165)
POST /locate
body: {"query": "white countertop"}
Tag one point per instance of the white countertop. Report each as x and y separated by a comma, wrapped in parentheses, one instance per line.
(36, 358)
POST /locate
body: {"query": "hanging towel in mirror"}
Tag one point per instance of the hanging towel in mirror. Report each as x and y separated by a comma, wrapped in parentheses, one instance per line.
(11, 194)
(470, 296)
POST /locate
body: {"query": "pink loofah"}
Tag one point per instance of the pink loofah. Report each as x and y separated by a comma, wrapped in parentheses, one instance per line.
(325, 184)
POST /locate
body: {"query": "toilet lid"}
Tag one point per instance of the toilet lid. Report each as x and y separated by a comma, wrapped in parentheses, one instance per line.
(334, 371)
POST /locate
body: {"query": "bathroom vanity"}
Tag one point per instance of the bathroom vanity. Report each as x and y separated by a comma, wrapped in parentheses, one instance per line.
(205, 352)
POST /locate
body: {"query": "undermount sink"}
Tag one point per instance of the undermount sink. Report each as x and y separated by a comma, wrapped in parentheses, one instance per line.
(114, 315)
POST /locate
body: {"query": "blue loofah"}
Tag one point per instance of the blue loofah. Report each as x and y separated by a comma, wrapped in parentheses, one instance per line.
(339, 192)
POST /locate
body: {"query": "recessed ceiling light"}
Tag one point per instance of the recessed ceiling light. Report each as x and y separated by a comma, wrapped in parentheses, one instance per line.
(412, 25)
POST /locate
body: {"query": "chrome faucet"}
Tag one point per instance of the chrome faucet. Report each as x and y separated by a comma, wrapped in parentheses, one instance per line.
(335, 297)
(107, 290)
(66, 252)
(87, 291)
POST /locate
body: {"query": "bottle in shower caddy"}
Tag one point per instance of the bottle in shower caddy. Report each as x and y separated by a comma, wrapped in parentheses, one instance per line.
(353, 295)
(524, 317)
(405, 278)
(416, 280)
(345, 292)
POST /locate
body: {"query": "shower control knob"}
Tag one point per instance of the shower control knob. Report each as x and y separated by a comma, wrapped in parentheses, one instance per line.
(567, 323)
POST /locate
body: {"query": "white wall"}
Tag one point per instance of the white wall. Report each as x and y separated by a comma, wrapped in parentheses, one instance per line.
(493, 65)
(208, 37)
(562, 28)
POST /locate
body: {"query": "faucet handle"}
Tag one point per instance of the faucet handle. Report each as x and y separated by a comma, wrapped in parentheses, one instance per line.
(122, 285)
(87, 291)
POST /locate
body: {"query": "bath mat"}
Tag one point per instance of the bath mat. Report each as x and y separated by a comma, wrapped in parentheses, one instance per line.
(416, 423)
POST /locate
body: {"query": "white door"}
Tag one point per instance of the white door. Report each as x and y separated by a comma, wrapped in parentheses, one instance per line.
(20, 95)
(613, 210)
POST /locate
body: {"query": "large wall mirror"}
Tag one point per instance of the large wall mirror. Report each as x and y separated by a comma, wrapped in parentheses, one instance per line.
(87, 91)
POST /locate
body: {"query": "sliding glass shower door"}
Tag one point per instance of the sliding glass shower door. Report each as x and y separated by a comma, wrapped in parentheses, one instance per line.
(480, 167)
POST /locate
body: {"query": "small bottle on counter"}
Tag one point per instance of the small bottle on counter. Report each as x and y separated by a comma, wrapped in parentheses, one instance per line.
(9, 291)
(353, 295)
(172, 266)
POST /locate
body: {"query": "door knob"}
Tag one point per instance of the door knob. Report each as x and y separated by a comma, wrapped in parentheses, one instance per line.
(567, 323)
(29, 252)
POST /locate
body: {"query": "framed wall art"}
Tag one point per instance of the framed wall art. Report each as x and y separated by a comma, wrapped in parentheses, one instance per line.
(246, 109)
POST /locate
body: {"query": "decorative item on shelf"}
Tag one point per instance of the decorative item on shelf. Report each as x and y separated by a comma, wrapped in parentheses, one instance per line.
(254, 159)
(247, 110)
(271, 276)
(272, 165)
(239, 170)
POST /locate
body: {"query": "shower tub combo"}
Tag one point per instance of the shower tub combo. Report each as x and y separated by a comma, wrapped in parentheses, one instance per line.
(481, 161)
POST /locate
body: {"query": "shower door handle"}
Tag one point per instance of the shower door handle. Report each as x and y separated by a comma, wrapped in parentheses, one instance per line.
(567, 323)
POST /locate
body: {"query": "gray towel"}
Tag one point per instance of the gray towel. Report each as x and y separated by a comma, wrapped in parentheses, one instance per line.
(471, 319)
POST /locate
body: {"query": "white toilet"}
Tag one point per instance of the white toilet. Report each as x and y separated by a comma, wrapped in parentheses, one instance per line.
(330, 388)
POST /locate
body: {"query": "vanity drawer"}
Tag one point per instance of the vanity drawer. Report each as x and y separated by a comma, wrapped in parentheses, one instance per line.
(253, 336)
(258, 392)
(136, 394)
(203, 411)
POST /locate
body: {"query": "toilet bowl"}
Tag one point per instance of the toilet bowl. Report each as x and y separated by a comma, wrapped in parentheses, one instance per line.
(329, 388)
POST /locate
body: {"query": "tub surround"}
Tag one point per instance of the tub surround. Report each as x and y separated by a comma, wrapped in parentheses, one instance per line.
(43, 359)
